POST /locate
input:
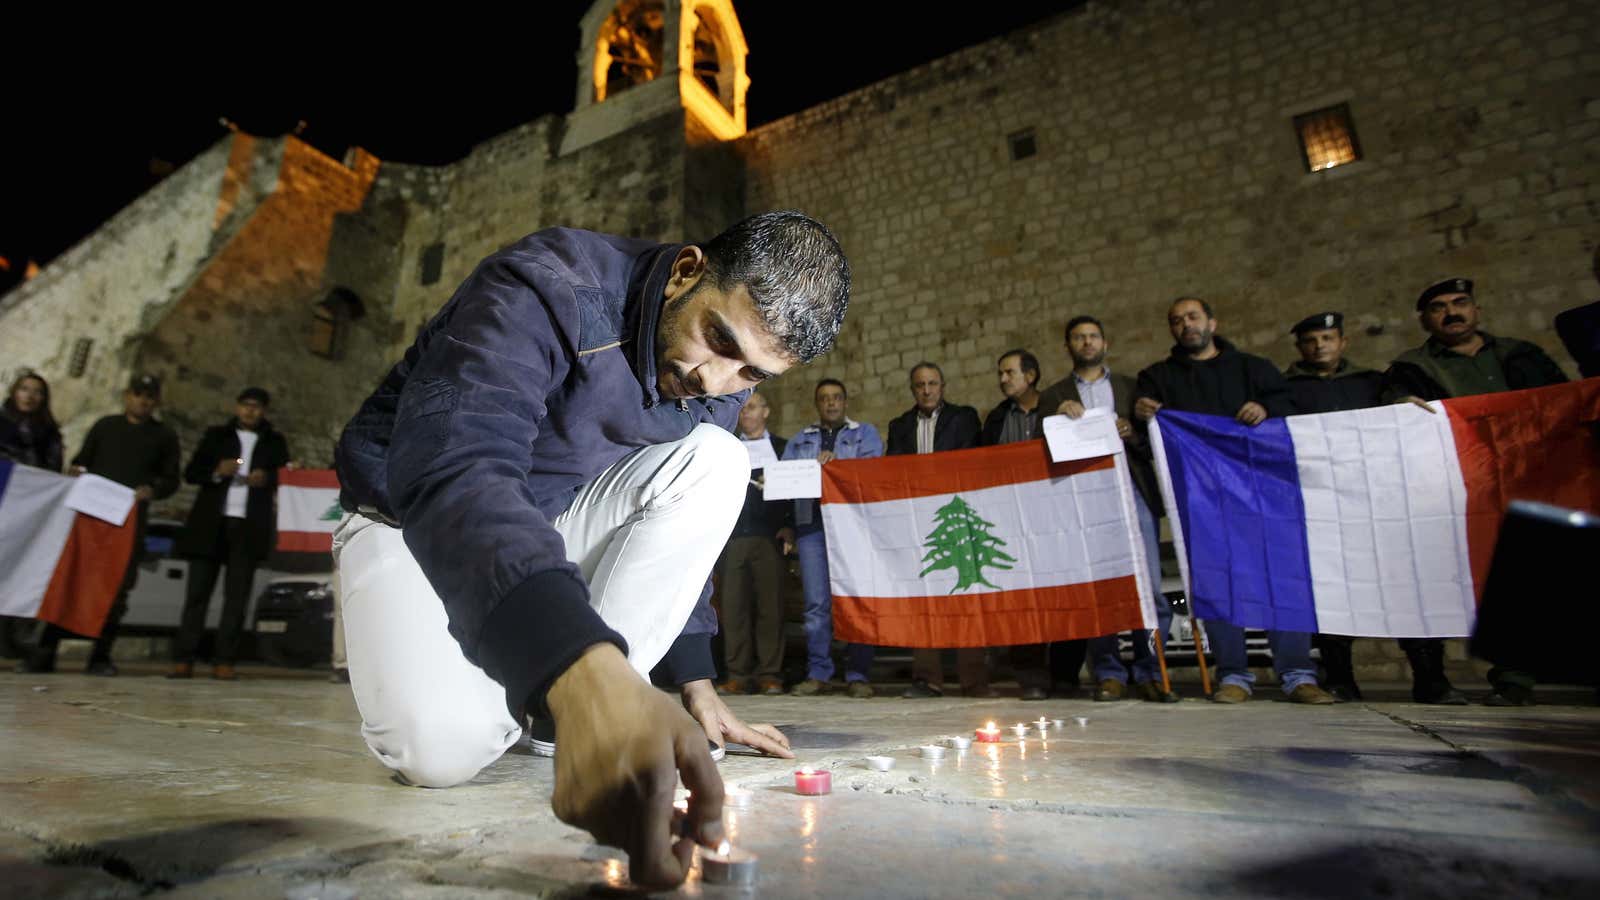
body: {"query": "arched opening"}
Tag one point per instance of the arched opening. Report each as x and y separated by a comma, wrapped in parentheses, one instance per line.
(631, 50)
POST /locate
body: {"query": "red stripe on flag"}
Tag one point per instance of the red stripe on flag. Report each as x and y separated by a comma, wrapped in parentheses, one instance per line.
(1537, 444)
(89, 574)
(305, 542)
(949, 472)
(308, 478)
(996, 619)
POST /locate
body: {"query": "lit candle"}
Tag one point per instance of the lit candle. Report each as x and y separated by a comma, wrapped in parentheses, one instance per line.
(932, 751)
(727, 865)
(1042, 724)
(959, 742)
(1083, 721)
(738, 798)
(1020, 729)
(810, 782)
(1061, 723)
(988, 734)
(880, 763)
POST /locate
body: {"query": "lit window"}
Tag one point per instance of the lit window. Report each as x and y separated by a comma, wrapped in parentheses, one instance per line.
(1327, 138)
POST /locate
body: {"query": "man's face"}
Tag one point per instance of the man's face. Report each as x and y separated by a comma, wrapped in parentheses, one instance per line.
(1190, 326)
(831, 404)
(1322, 348)
(711, 342)
(1013, 381)
(927, 389)
(1452, 318)
(249, 413)
(753, 416)
(28, 396)
(139, 405)
(1086, 345)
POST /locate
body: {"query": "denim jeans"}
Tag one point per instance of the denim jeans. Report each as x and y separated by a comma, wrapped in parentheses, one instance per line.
(813, 550)
(1104, 660)
(1291, 656)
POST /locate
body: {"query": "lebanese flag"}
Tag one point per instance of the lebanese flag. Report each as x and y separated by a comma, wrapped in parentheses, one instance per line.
(985, 547)
(308, 510)
(1374, 522)
(56, 564)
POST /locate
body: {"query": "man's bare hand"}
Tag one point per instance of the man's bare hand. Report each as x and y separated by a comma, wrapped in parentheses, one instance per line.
(785, 537)
(1072, 409)
(1145, 409)
(1416, 401)
(258, 478)
(1124, 429)
(825, 457)
(1251, 414)
(75, 471)
(700, 698)
(227, 468)
(624, 745)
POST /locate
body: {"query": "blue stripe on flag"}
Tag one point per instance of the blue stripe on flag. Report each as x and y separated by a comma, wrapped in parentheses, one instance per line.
(1244, 523)
(6, 466)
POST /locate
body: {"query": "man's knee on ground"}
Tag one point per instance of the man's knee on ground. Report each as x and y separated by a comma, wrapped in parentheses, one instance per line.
(442, 750)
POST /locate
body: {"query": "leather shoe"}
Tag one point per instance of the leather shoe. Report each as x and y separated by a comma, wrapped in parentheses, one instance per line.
(181, 670)
(980, 692)
(734, 686)
(860, 690)
(1109, 690)
(224, 672)
(920, 689)
(771, 687)
(811, 687)
(1510, 695)
(1230, 693)
(1311, 694)
(105, 668)
(1442, 694)
(1151, 692)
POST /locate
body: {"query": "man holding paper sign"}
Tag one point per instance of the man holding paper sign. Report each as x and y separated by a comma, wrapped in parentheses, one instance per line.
(1092, 385)
(536, 495)
(750, 572)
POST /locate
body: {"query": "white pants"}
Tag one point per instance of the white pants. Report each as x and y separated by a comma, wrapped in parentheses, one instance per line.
(645, 534)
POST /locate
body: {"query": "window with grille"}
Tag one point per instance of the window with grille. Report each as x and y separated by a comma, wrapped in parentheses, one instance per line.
(1327, 138)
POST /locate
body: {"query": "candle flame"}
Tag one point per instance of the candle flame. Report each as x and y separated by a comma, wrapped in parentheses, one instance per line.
(989, 727)
(807, 770)
(724, 848)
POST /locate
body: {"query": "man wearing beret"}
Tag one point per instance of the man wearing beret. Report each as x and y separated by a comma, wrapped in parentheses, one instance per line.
(1321, 381)
(1459, 360)
(232, 524)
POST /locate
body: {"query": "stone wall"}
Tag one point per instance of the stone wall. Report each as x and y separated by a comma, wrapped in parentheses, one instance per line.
(1167, 164)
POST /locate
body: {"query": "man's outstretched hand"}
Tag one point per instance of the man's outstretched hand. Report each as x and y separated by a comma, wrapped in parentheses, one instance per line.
(623, 746)
(700, 698)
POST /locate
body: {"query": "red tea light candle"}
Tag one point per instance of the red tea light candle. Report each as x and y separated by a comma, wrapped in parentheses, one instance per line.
(812, 783)
(988, 734)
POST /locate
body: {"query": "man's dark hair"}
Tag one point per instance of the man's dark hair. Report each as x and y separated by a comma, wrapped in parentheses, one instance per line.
(1084, 320)
(833, 381)
(1203, 305)
(925, 365)
(1028, 361)
(795, 272)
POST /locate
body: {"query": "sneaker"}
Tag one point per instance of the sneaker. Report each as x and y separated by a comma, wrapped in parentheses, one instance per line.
(735, 686)
(181, 670)
(771, 687)
(860, 690)
(1151, 692)
(104, 668)
(811, 687)
(1035, 693)
(921, 690)
(1230, 693)
(224, 672)
(1311, 694)
(1109, 690)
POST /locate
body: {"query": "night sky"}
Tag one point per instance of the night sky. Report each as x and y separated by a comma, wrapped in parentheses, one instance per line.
(94, 121)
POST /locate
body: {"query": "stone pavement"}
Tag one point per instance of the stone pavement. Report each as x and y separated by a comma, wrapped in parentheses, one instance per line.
(263, 788)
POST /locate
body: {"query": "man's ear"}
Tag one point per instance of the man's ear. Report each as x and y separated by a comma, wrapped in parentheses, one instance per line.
(687, 269)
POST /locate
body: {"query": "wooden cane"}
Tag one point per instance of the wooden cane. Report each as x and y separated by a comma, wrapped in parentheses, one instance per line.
(1200, 654)
(1160, 641)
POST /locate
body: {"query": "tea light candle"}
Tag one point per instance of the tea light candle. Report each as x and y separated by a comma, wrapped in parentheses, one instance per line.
(1043, 724)
(959, 742)
(1061, 723)
(810, 782)
(1020, 729)
(988, 734)
(933, 751)
(1083, 721)
(738, 798)
(880, 763)
(728, 865)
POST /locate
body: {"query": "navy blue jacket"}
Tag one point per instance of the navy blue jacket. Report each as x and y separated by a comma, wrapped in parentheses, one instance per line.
(538, 374)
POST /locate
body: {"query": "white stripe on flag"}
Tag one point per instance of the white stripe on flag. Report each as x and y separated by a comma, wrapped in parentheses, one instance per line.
(309, 509)
(1063, 531)
(34, 525)
(1386, 522)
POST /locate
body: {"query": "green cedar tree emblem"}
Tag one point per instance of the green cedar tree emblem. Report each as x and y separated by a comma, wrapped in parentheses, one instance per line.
(334, 513)
(962, 541)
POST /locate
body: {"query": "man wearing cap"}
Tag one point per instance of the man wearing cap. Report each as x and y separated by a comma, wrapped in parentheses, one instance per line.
(132, 449)
(1321, 381)
(232, 524)
(1458, 360)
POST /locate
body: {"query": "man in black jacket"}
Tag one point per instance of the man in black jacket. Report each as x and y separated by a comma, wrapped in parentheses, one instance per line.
(750, 571)
(929, 426)
(232, 523)
(1207, 374)
(1323, 380)
(136, 450)
(537, 494)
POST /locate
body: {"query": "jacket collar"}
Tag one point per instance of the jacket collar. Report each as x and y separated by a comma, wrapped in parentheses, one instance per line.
(1224, 348)
(816, 427)
(646, 287)
(1434, 348)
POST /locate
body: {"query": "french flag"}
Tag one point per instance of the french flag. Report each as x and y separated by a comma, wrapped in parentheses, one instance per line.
(57, 564)
(1375, 522)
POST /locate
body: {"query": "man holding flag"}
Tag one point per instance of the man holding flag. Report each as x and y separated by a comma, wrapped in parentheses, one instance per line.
(1207, 374)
